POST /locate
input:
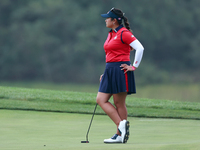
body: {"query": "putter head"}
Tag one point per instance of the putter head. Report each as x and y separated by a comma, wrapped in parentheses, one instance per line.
(84, 141)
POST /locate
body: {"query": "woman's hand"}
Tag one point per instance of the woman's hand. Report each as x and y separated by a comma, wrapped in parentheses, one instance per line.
(101, 77)
(127, 68)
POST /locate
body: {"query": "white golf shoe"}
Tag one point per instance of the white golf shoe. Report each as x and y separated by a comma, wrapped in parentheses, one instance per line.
(124, 130)
(115, 139)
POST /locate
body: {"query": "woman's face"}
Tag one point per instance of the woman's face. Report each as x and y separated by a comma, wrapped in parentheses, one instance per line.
(109, 23)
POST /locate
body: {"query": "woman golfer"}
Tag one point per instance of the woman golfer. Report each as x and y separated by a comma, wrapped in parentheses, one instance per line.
(118, 78)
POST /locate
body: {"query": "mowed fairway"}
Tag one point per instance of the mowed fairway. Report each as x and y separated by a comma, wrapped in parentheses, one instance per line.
(32, 130)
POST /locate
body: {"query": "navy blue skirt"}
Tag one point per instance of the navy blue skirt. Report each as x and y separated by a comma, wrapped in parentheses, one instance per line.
(115, 81)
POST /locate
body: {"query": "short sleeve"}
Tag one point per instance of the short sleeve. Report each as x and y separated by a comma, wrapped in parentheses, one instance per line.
(128, 37)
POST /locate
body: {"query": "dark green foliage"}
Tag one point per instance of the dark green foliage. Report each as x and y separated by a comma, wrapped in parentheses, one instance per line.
(62, 41)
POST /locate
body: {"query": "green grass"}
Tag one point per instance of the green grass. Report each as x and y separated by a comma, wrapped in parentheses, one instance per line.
(40, 126)
(81, 102)
(31, 130)
(178, 92)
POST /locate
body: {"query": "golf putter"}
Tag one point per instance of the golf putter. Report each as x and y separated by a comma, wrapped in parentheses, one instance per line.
(89, 126)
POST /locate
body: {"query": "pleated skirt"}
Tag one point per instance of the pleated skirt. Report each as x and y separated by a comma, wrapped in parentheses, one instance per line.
(115, 81)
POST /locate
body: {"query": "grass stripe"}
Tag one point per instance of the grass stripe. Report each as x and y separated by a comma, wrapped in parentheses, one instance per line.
(82, 102)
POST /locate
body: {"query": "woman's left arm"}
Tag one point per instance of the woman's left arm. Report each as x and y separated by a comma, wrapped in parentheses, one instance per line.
(138, 56)
(139, 52)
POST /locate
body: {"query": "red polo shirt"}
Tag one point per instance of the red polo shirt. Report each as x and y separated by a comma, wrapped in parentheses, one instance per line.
(117, 46)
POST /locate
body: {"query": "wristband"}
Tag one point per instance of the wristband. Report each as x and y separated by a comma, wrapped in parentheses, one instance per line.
(133, 68)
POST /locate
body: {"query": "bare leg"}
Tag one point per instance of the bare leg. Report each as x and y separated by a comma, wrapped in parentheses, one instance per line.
(109, 109)
(116, 114)
(119, 101)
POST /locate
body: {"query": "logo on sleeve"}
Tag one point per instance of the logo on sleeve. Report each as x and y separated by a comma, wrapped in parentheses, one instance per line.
(132, 35)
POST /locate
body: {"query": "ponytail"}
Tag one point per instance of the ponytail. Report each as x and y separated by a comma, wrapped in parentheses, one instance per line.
(126, 23)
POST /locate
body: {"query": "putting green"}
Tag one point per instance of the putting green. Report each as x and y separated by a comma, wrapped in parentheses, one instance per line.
(29, 130)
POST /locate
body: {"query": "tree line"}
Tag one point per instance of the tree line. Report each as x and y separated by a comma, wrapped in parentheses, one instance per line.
(62, 41)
